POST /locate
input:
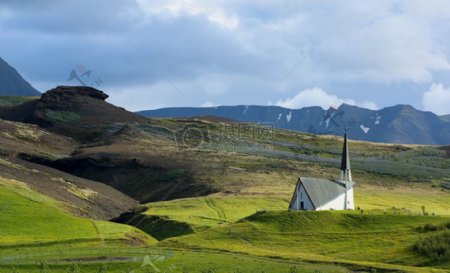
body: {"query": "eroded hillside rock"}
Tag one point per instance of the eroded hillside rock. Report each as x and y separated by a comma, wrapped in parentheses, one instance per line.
(62, 96)
(79, 112)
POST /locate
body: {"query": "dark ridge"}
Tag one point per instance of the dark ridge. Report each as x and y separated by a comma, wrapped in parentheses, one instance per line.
(12, 83)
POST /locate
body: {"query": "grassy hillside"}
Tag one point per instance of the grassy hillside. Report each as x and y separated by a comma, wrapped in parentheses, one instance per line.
(205, 212)
(382, 234)
(164, 159)
(30, 218)
(383, 240)
(21, 142)
(11, 101)
(218, 210)
(149, 163)
(136, 260)
(411, 199)
(167, 219)
(17, 138)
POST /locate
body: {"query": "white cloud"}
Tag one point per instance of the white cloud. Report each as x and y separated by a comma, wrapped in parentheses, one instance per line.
(318, 97)
(368, 105)
(209, 104)
(233, 52)
(437, 99)
(177, 8)
(383, 46)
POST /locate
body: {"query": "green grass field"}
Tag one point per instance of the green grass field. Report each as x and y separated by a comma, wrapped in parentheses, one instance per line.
(207, 212)
(380, 235)
(29, 218)
(356, 238)
(228, 237)
(157, 260)
(410, 199)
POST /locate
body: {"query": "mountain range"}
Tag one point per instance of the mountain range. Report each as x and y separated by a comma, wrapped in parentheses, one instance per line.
(12, 83)
(396, 124)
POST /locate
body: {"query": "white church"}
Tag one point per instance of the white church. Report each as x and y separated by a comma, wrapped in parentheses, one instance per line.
(323, 194)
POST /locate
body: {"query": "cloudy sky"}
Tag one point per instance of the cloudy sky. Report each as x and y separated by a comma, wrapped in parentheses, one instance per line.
(150, 54)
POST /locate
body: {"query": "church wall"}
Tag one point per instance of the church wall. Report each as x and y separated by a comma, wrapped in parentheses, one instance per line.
(301, 196)
(350, 199)
(336, 204)
(339, 202)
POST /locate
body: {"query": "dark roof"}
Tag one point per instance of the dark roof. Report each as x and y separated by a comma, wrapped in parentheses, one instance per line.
(322, 191)
(345, 163)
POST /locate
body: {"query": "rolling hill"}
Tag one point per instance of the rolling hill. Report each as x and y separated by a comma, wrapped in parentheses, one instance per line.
(389, 125)
(20, 142)
(31, 218)
(383, 240)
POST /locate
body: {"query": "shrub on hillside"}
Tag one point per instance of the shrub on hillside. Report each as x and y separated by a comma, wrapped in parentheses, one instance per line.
(431, 227)
(62, 116)
(436, 247)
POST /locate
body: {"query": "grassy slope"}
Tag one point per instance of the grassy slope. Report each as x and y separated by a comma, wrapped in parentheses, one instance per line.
(380, 240)
(380, 236)
(409, 198)
(245, 165)
(369, 239)
(11, 101)
(16, 137)
(28, 218)
(83, 197)
(401, 176)
(178, 261)
(206, 212)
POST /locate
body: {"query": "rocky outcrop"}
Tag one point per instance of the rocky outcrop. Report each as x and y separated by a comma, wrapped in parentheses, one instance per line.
(60, 93)
(79, 112)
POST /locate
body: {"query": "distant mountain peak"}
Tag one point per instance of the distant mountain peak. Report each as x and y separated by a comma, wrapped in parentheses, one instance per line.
(349, 106)
(403, 107)
(12, 83)
(333, 109)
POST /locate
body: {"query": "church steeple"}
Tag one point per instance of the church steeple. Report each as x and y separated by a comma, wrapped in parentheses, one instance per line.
(346, 173)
